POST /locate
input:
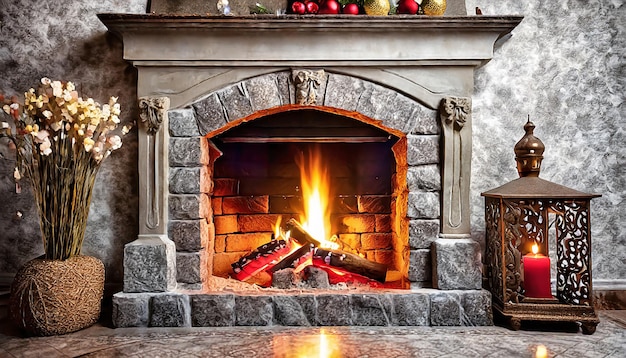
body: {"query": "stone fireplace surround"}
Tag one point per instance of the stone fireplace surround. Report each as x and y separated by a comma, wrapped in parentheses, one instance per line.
(198, 76)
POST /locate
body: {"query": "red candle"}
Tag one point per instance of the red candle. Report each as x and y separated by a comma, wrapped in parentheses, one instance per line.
(537, 275)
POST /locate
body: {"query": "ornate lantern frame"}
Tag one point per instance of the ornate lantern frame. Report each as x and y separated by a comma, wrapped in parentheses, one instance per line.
(516, 217)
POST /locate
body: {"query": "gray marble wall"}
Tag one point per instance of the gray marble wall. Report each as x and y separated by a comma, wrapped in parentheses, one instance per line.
(563, 66)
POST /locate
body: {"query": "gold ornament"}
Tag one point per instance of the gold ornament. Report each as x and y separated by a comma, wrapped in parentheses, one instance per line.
(434, 7)
(377, 7)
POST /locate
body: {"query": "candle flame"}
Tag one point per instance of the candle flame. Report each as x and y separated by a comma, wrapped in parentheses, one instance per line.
(535, 249)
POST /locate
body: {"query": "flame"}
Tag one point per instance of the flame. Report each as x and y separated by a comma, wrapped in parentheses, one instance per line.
(535, 249)
(315, 182)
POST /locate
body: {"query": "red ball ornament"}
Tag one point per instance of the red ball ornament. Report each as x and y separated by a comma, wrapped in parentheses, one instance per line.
(351, 9)
(312, 8)
(407, 7)
(298, 8)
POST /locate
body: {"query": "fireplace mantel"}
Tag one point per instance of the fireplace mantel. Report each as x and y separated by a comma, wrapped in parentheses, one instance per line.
(342, 40)
(198, 75)
(184, 56)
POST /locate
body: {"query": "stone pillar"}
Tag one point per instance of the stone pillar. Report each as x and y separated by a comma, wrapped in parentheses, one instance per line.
(455, 115)
(150, 261)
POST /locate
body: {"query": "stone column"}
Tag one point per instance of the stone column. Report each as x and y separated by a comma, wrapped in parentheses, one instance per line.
(455, 257)
(150, 261)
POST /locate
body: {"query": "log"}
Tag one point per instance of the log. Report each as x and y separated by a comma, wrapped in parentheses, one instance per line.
(352, 263)
(337, 258)
(259, 259)
(291, 258)
(299, 233)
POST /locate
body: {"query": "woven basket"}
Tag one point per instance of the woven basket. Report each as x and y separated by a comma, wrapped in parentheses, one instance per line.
(50, 297)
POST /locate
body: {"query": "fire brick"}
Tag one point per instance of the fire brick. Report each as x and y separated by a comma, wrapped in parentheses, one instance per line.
(383, 223)
(371, 241)
(378, 204)
(220, 243)
(225, 224)
(352, 240)
(256, 223)
(216, 205)
(225, 187)
(356, 223)
(222, 261)
(246, 242)
(245, 204)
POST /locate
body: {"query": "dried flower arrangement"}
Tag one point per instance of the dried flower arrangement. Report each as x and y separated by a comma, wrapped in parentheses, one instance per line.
(61, 140)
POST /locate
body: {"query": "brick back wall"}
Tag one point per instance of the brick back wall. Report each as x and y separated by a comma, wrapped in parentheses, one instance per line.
(255, 185)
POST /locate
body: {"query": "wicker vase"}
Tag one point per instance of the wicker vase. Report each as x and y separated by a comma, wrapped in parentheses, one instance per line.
(50, 297)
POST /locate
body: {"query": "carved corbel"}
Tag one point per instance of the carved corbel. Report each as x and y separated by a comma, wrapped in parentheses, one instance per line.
(153, 112)
(307, 84)
(455, 115)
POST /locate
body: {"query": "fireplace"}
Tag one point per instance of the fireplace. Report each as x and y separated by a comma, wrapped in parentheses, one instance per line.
(228, 103)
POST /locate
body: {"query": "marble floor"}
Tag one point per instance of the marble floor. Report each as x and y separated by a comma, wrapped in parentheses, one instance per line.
(380, 342)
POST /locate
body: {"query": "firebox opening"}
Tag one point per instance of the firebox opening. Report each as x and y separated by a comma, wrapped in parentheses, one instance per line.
(257, 182)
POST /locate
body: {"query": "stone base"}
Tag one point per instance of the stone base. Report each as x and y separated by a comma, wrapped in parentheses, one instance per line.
(416, 307)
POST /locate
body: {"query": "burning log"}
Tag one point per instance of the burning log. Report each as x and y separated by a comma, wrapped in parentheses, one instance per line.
(259, 259)
(291, 258)
(337, 258)
(352, 263)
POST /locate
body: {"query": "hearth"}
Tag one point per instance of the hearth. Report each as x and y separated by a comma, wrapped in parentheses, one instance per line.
(228, 103)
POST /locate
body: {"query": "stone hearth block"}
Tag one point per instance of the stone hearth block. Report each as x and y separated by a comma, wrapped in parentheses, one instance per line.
(210, 114)
(420, 265)
(182, 123)
(423, 205)
(445, 309)
(188, 235)
(170, 310)
(263, 92)
(188, 152)
(189, 180)
(423, 149)
(190, 267)
(371, 310)
(456, 264)
(213, 310)
(411, 309)
(286, 88)
(477, 308)
(404, 114)
(131, 309)
(254, 310)
(424, 178)
(236, 102)
(294, 310)
(334, 310)
(422, 233)
(343, 91)
(189, 207)
(150, 265)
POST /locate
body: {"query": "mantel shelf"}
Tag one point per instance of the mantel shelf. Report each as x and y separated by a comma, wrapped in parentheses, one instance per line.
(291, 40)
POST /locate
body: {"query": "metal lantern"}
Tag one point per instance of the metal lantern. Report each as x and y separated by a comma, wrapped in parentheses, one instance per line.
(518, 216)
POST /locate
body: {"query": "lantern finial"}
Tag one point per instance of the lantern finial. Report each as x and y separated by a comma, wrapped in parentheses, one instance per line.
(529, 152)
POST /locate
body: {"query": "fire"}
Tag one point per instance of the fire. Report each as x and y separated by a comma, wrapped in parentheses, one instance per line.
(316, 194)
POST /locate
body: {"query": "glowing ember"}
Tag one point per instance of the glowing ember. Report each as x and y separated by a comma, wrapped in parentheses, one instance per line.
(315, 182)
